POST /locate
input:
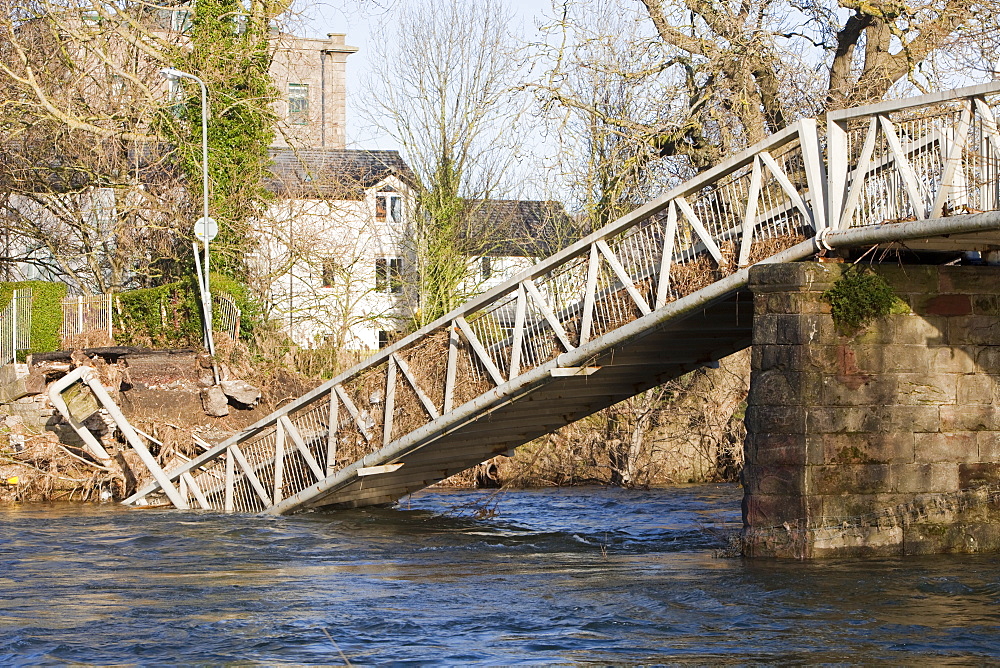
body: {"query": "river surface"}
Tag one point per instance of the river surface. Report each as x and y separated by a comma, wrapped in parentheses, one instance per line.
(583, 575)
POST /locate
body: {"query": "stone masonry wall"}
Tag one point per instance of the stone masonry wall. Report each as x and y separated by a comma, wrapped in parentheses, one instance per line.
(884, 442)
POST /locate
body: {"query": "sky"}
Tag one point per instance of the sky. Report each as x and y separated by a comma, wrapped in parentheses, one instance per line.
(358, 19)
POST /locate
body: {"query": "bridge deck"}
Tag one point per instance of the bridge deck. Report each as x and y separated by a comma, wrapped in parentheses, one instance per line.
(651, 296)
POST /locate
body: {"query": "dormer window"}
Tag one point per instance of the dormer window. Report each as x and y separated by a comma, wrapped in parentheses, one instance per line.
(388, 207)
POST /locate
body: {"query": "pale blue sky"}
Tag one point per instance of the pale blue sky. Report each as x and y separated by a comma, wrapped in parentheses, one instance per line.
(358, 18)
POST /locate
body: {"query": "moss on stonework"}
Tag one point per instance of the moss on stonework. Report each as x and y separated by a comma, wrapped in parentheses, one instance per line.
(859, 297)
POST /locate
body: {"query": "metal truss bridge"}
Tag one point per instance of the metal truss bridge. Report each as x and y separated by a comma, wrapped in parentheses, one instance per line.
(651, 296)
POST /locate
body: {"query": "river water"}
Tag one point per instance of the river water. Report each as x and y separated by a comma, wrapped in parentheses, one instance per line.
(582, 575)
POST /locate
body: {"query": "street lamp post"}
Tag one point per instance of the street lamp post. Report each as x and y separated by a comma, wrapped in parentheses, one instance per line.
(207, 229)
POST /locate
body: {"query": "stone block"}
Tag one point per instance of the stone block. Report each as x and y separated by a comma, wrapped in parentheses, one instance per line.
(881, 331)
(987, 360)
(967, 280)
(910, 278)
(951, 359)
(850, 479)
(946, 305)
(946, 447)
(974, 330)
(773, 480)
(857, 390)
(776, 419)
(976, 474)
(794, 276)
(916, 389)
(858, 542)
(777, 449)
(866, 447)
(919, 330)
(950, 538)
(977, 389)
(784, 388)
(923, 478)
(764, 510)
(892, 359)
(829, 510)
(986, 305)
(989, 446)
(970, 417)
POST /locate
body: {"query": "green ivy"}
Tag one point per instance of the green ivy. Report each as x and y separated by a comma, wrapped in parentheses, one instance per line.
(169, 316)
(46, 312)
(230, 50)
(857, 298)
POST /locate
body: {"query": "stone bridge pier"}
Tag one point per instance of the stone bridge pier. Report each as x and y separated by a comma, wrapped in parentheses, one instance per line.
(886, 442)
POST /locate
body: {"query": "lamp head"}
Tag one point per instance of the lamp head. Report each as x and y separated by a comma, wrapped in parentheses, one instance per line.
(171, 74)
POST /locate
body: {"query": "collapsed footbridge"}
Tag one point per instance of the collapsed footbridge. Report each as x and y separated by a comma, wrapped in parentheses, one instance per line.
(651, 296)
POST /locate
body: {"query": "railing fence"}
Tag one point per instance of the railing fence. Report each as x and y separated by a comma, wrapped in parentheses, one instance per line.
(85, 315)
(227, 315)
(15, 326)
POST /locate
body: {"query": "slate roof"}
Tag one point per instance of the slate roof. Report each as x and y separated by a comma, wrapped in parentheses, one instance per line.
(332, 173)
(521, 228)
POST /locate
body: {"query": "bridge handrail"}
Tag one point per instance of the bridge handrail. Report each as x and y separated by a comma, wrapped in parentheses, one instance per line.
(903, 166)
(691, 230)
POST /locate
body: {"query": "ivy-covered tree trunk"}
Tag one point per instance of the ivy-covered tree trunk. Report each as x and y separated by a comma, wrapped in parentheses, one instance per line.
(230, 50)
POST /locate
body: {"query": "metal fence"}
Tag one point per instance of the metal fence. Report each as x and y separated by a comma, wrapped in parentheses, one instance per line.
(932, 156)
(756, 204)
(15, 326)
(227, 315)
(889, 162)
(87, 315)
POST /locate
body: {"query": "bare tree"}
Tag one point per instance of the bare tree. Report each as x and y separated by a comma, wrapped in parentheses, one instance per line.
(444, 93)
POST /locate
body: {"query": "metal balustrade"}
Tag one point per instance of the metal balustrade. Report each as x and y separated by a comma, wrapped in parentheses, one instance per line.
(15, 326)
(429, 399)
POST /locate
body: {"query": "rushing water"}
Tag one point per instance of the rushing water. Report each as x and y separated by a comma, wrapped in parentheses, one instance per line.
(557, 576)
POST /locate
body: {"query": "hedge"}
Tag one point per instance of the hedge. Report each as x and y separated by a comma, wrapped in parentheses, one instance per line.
(169, 316)
(46, 311)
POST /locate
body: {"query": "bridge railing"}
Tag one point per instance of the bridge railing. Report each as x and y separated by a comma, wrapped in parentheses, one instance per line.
(758, 203)
(923, 157)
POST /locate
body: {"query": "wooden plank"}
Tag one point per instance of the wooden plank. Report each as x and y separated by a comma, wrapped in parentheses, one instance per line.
(251, 476)
(279, 459)
(230, 481)
(352, 410)
(331, 436)
(196, 490)
(786, 185)
(378, 470)
(750, 214)
(667, 257)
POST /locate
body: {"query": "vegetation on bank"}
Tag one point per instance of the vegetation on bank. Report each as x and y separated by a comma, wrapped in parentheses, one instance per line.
(46, 311)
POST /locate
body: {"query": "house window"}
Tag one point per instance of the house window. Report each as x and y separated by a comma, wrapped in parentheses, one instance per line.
(389, 275)
(330, 271)
(388, 206)
(298, 103)
(383, 338)
(487, 268)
